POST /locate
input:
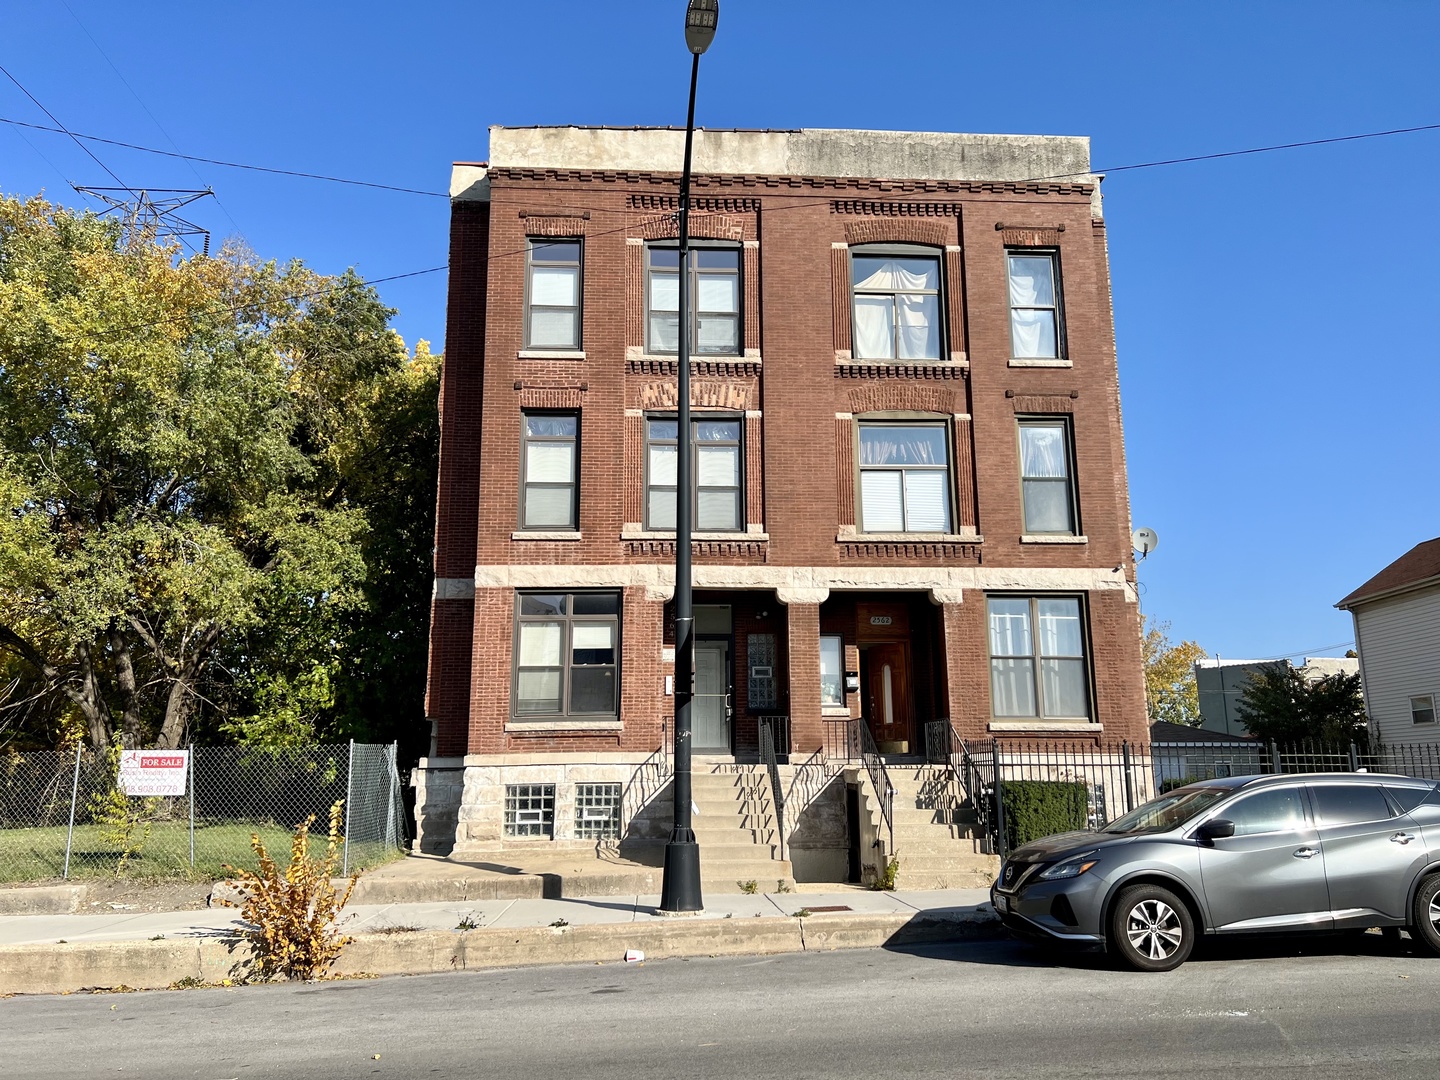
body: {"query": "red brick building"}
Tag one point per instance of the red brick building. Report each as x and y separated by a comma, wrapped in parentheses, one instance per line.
(910, 499)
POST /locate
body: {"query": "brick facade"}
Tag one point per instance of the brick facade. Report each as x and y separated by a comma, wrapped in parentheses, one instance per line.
(800, 556)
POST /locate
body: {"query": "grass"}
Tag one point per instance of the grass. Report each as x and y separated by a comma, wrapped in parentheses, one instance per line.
(39, 854)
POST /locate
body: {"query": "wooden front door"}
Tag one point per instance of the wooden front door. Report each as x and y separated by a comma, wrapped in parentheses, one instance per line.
(889, 692)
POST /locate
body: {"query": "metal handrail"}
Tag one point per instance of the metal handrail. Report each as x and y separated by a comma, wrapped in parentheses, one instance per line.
(772, 766)
(869, 754)
(979, 787)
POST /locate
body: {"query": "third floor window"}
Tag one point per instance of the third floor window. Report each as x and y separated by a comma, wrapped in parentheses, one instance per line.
(714, 300)
(897, 305)
(1035, 331)
(552, 309)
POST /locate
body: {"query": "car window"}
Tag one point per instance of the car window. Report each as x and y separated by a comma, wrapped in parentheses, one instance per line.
(1345, 804)
(1167, 812)
(1409, 797)
(1279, 810)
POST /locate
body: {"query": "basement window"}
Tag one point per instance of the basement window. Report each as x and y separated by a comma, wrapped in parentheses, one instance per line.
(530, 811)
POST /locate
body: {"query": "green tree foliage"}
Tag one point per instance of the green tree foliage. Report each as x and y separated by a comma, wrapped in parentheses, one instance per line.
(1280, 702)
(188, 454)
(1170, 692)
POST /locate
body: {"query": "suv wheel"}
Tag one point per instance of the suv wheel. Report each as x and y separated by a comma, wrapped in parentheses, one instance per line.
(1151, 928)
(1425, 915)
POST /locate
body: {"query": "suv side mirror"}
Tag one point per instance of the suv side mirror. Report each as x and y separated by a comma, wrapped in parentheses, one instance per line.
(1215, 829)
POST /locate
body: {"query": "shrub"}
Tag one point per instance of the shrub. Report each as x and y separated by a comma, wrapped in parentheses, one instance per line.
(292, 932)
(1036, 808)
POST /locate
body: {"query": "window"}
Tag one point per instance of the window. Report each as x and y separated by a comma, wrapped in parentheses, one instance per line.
(1037, 658)
(552, 316)
(1035, 331)
(904, 478)
(547, 471)
(760, 666)
(714, 300)
(832, 670)
(566, 647)
(597, 811)
(718, 506)
(1422, 709)
(1348, 804)
(897, 305)
(1280, 810)
(530, 810)
(1046, 490)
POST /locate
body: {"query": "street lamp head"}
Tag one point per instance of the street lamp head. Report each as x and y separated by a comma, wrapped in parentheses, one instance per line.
(700, 20)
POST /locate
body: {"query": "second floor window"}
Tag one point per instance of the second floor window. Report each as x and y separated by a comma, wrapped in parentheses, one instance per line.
(548, 471)
(1046, 488)
(1034, 306)
(718, 506)
(904, 478)
(714, 300)
(552, 314)
(897, 306)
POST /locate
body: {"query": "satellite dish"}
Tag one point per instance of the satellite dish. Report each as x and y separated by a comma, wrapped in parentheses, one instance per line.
(1144, 541)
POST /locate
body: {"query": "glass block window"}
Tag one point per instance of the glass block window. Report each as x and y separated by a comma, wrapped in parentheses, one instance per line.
(760, 666)
(530, 810)
(597, 811)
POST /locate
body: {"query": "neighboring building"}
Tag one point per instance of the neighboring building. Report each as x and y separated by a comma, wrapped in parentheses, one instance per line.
(1397, 634)
(1181, 755)
(1220, 684)
(911, 499)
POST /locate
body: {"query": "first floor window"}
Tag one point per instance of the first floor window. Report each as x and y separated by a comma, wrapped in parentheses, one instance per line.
(566, 654)
(1034, 306)
(1422, 709)
(832, 670)
(717, 470)
(1037, 658)
(904, 478)
(1046, 489)
(548, 471)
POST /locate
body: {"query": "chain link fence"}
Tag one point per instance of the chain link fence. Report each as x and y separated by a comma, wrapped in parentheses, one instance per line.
(63, 814)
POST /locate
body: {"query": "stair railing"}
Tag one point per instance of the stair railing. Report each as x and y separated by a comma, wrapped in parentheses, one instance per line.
(772, 767)
(981, 778)
(879, 777)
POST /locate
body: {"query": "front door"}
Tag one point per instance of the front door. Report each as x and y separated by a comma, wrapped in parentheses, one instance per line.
(710, 711)
(889, 692)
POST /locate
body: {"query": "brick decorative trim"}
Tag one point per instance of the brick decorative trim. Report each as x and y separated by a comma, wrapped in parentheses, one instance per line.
(704, 394)
(551, 397)
(896, 396)
(702, 205)
(955, 299)
(889, 231)
(860, 370)
(1034, 236)
(635, 295)
(965, 472)
(634, 495)
(754, 473)
(845, 470)
(949, 552)
(894, 209)
(702, 227)
(726, 549)
(750, 287)
(722, 368)
(1043, 403)
(545, 223)
(840, 296)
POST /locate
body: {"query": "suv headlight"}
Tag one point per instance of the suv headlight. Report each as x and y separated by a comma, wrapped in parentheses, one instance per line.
(1071, 867)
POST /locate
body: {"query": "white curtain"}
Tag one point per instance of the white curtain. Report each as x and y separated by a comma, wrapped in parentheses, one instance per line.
(1032, 300)
(1042, 451)
(895, 445)
(906, 319)
(1060, 628)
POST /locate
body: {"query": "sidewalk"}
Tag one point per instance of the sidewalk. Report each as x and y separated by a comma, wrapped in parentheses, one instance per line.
(59, 953)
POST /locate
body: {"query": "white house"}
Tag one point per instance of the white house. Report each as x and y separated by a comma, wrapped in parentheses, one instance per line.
(1397, 633)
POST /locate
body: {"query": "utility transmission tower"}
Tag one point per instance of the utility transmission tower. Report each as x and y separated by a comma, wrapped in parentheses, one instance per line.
(146, 217)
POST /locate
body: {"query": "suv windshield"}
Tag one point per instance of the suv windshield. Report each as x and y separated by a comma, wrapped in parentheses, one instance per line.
(1167, 812)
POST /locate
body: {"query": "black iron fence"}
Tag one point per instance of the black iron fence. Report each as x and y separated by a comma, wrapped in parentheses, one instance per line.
(1022, 789)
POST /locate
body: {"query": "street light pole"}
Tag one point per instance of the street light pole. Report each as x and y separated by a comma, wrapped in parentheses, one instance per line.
(680, 891)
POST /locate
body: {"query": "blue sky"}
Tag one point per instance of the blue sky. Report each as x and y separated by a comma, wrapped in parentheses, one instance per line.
(1276, 314)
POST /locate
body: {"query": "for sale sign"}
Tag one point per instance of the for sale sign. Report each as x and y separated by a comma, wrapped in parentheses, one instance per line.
(154, 772)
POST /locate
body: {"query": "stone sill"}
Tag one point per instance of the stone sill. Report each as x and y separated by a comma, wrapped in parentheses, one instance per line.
(1039, 361)
(567, 534)
(550, 354)
(834, 710)
(849, 535)
(1045, 727)
(734, 537)
(748, 357)
(564, 758)
(521, 726)
(1041, 538)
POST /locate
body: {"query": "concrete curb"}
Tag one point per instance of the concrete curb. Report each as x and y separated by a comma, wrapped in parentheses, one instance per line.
(52, 969)
(45, 900)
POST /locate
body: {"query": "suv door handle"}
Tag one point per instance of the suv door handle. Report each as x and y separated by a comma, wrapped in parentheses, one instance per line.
(1305, 853)
(1401, 838)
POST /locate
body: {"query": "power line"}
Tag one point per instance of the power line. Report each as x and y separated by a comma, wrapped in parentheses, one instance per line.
(63, 129)
(226, 164)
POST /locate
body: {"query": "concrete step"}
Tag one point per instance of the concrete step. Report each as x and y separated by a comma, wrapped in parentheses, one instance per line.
(934, 861)
(935, 841)
(945, 879)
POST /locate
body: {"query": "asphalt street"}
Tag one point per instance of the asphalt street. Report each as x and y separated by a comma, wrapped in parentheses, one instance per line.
(1318, 1008)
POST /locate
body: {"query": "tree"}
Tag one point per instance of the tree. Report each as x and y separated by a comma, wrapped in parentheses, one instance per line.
(1281, 703)
(1170, 692)
(181, 440)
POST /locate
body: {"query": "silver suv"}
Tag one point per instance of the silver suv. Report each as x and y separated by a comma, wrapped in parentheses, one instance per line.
(1245, 854)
